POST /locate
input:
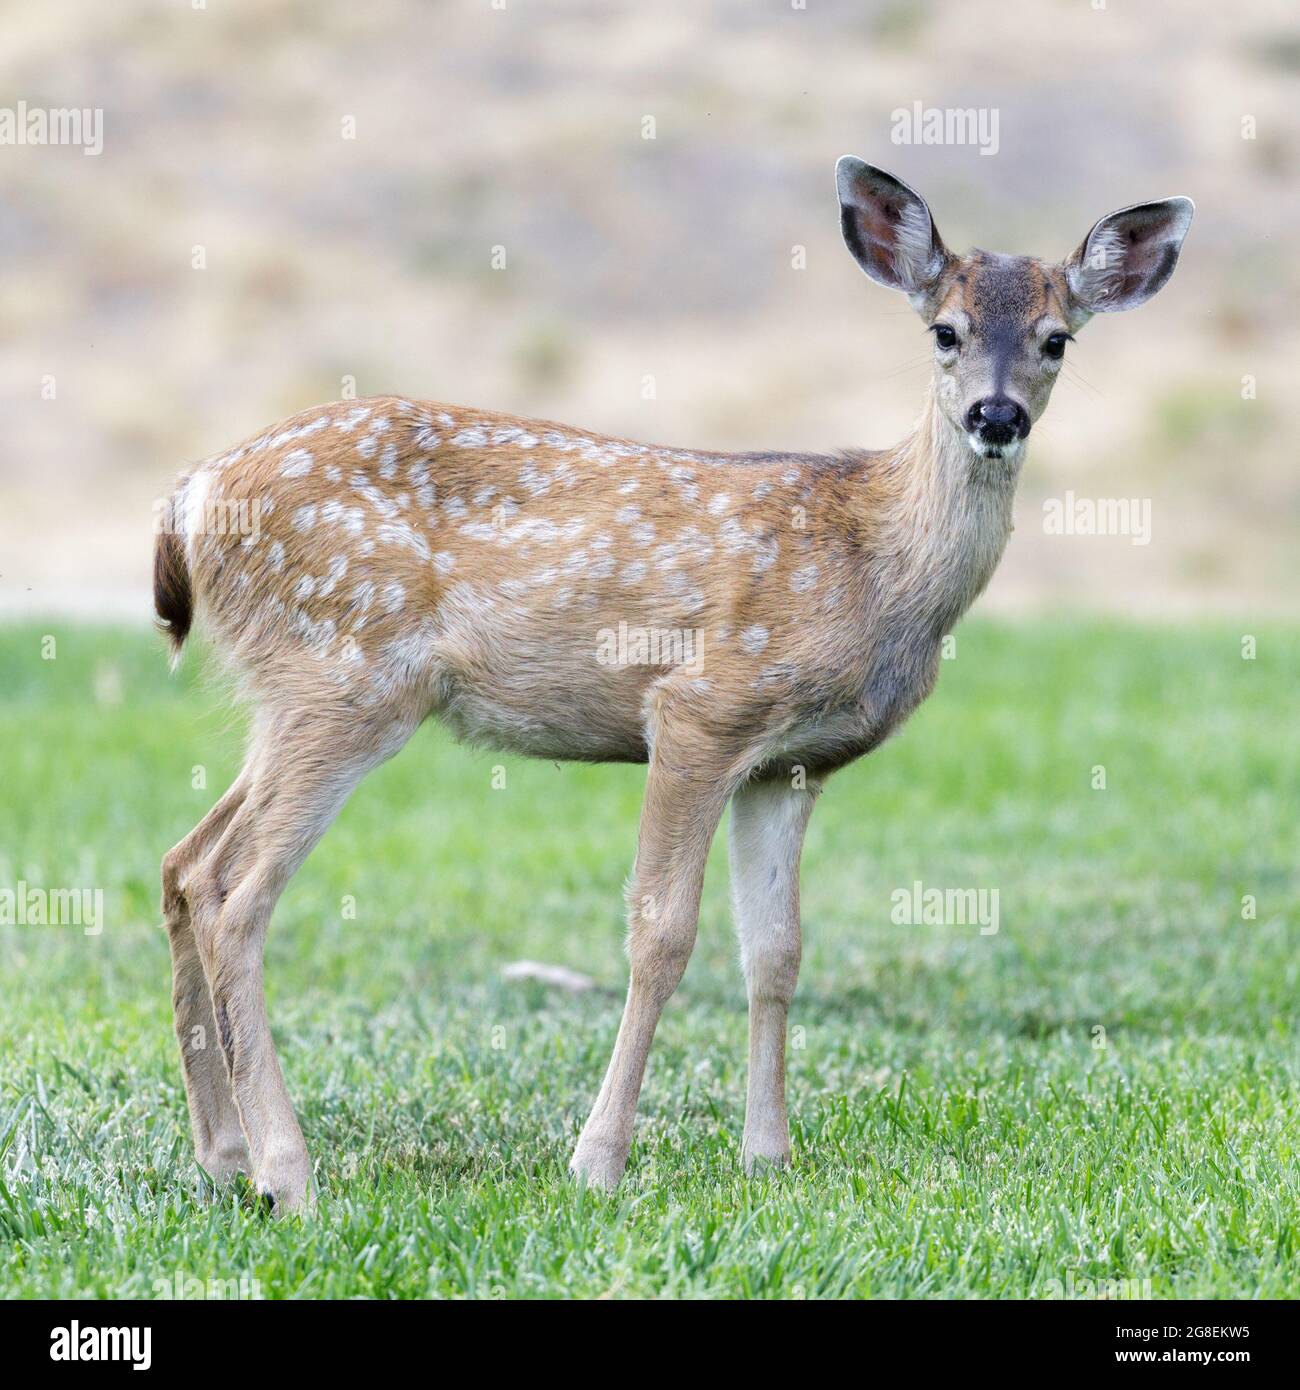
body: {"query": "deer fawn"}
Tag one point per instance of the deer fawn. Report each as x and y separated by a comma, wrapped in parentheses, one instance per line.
(409, 559)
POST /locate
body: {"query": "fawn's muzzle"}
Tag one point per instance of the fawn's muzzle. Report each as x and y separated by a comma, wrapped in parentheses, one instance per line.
(998, 420)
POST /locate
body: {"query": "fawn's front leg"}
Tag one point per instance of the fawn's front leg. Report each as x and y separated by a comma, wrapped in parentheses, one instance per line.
(687, 787)
(768, 820)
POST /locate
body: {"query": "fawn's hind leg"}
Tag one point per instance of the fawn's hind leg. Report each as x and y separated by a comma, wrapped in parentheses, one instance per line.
(303, 771)
(218, 1140)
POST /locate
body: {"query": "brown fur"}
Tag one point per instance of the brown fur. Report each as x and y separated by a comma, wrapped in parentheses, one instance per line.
(366, 565)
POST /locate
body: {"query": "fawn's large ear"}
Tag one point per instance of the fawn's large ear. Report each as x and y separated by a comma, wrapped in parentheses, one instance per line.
(1128, 256)
(888, 228)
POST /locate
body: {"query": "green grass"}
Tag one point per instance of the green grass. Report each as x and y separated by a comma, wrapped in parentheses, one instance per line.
(958, 1128)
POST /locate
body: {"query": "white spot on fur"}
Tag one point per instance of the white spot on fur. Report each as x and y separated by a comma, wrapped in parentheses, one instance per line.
(362, 484)
(754, 639)
(765, 553)
(338, 568)
(305, 517)
(512, 434)
(297, 464)
(392, 596)
(532, 481)
(803, 579)
(401, 534)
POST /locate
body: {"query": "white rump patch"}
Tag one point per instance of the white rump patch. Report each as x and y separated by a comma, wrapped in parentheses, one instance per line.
(194, 505)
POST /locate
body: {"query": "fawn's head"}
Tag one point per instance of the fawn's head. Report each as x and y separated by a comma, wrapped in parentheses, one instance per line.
(1001, 323)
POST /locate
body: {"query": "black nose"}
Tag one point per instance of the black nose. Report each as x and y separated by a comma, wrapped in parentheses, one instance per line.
(998, 420)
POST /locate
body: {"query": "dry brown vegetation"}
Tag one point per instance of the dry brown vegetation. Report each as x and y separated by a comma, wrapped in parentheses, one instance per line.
(521, 127)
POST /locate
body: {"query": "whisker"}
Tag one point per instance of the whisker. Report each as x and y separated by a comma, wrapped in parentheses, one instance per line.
(1078, 378)
(899, 371)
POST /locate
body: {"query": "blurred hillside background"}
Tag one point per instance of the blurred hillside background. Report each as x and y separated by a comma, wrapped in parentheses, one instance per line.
(521, 125)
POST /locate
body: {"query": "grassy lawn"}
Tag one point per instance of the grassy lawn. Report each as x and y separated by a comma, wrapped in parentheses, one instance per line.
(1105, 1089)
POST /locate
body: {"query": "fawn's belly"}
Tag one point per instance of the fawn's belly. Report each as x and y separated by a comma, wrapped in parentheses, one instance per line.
(564, 725)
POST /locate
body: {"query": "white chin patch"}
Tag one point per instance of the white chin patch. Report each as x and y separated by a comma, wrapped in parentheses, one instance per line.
(1009, 452)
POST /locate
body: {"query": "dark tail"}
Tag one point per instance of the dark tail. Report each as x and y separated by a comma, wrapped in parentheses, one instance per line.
(173, 596)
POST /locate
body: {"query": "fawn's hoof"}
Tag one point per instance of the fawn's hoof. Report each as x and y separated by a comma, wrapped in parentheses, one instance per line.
(759, 1157)
(224, 1161)
(285, 1186)
(598, 1162)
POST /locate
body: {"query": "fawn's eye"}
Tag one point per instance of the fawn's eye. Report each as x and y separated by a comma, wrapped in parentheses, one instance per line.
(945, 336)
(1054, 347)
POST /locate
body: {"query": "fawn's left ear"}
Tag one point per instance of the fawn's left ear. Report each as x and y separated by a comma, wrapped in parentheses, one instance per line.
(889, 230)
(1128, 256)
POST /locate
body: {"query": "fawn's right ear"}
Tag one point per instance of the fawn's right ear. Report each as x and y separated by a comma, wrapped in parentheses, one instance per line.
(888, 228)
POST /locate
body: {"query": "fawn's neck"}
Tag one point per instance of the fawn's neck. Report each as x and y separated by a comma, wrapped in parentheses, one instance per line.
(942, 516)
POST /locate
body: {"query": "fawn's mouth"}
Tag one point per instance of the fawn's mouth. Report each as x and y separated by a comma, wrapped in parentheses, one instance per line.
(983, 448)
